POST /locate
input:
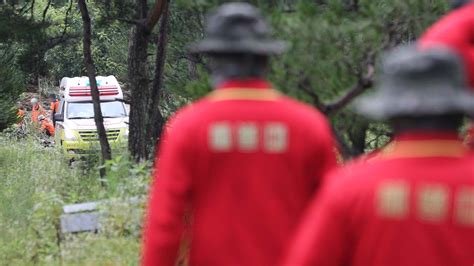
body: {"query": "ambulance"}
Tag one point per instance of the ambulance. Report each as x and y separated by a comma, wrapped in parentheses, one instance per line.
(76, 131)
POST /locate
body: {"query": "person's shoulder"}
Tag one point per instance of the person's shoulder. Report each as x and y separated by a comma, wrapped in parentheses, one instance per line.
(304, 111)
(356, 176)
(468, 9)
(463, 13)
(469, 159)
(299, 105)
(188, 115)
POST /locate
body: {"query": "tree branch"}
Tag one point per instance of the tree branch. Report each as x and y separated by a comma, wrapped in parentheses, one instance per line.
(32, 9)
(132, 22)
(66, 18)
(45, 11)
(155, 122)
(55, 41)
(154, 15)
(362, 85)
(89, 63)
(304, 85)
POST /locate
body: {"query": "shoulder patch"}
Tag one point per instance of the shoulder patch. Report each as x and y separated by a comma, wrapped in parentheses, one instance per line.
(276, 138)
(432, 202)
(220, 137)
(248, 137)
(464, 206)
(392, 199)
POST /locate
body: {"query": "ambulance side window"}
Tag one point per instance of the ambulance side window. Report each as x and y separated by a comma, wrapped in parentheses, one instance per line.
(59, 116)
(248, 137)
(61, 107)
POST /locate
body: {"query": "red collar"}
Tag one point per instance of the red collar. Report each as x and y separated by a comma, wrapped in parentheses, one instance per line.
(245, 84)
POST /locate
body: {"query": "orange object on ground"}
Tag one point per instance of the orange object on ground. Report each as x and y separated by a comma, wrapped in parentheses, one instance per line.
(246, 160)
(20, 116)
(411, 206)
(47, 127)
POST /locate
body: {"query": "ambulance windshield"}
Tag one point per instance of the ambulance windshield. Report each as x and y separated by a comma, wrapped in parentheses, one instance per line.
(85, 110)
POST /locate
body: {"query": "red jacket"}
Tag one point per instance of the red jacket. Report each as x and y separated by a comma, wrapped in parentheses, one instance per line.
(246, 160)
(413, 206)
(456, 31)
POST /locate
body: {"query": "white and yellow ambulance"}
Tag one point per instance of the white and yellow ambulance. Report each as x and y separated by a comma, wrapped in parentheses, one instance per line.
(76, 131)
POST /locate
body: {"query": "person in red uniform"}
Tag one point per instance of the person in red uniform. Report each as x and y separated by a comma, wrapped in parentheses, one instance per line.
(456, 31)
(245, 159)
(414, 204)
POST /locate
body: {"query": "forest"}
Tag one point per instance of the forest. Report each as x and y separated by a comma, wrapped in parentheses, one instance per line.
(333, 57)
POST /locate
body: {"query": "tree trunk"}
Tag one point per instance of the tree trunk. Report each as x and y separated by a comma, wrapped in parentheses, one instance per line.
(137, 75)
(155, 120)
(99, 120)
(140, 113)
(357, 135)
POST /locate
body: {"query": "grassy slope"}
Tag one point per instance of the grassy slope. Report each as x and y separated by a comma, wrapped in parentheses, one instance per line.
(35, 182)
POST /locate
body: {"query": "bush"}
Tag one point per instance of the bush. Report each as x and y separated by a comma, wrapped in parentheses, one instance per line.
(37, 182)
(11, 86)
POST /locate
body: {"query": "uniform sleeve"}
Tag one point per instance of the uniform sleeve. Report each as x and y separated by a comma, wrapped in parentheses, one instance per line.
(455, 31)
(169, 197)
(322, 238)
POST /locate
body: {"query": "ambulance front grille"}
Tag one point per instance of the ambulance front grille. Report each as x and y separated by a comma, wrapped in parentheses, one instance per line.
(91, 135)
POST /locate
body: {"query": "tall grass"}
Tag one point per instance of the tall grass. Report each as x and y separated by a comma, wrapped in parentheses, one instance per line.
(35, 183)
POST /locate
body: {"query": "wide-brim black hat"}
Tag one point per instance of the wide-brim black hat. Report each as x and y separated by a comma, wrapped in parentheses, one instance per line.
(237, 28)
(419, 83)
(262, 47)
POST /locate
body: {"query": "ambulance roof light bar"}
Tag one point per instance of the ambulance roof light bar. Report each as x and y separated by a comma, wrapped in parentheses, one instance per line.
(78, 88)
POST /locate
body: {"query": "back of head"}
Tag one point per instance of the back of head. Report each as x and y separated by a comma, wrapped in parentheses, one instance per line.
(238, 42)
(455, 4)
(237, 66)
(420, 90)
(450, 122)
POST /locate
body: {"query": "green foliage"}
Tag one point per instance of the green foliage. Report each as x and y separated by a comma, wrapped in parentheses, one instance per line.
(11, 86)
(125, 178)
(332, 44)
(92, 249)
(37, 181)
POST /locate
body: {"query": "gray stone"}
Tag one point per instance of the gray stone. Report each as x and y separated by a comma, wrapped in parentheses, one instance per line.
(81, 207)
(80, 222)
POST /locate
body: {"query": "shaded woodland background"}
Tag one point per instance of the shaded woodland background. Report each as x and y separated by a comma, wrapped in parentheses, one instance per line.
(333, 59)
(334, 47)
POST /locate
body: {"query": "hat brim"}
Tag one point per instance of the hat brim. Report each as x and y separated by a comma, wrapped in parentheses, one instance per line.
(265, 47)
(382, 105)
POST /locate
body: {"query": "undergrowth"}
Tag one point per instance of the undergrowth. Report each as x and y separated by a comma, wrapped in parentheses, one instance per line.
(36, 181)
